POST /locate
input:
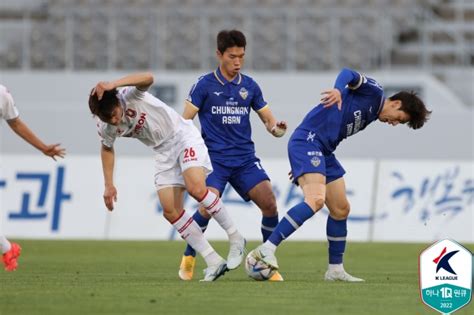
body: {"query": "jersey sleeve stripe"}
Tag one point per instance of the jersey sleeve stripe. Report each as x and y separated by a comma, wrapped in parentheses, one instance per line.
(188, 102)
(361, 80)
(263, 108)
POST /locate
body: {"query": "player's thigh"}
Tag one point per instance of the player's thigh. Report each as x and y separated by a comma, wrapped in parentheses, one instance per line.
(262, 195)
(171, 200)
(336, 199)
(195, 165)
(314, 189)
(247, 176)
(305, 158)
(219, 177)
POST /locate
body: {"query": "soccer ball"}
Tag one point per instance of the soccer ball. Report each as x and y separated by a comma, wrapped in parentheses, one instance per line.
(257, 269)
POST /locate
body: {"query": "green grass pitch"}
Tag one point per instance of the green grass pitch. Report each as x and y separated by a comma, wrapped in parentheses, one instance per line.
(110, 277)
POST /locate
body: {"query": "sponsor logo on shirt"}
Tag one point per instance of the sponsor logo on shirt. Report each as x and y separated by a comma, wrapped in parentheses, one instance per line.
(139, 126)
(218, 93)
(314, 153)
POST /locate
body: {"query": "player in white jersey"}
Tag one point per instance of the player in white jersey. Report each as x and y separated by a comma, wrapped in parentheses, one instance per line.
(8, 111)
(182, 160)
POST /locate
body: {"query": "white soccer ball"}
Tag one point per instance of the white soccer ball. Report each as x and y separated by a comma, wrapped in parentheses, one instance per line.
(257, 269)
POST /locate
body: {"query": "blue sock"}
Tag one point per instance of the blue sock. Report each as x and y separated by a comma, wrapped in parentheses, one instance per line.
(294, 218)
(202, 222)
(268, 226)
(336, 231)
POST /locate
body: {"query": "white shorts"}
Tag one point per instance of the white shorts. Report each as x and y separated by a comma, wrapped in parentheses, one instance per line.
(184, 150)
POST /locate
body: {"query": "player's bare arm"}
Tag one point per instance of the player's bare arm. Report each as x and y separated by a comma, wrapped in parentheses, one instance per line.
(141, 81)
(21, 129)
(331, 97)
(190, 110)
(108, 160)
(276, 128)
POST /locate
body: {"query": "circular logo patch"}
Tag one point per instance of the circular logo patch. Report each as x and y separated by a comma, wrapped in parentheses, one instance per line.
(315, 161)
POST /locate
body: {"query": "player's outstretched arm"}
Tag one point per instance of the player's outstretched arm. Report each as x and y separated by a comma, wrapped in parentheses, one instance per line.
(21, 129)
(276, 128)
(108, 160)
(141, 81)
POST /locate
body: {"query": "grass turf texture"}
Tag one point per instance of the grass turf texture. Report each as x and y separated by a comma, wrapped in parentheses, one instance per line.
(109, 277)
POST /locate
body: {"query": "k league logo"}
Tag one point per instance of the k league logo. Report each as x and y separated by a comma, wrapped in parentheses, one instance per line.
(446, 276)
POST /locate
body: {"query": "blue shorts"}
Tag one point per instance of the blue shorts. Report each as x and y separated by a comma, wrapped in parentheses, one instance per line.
(242, 178)
(310, 157)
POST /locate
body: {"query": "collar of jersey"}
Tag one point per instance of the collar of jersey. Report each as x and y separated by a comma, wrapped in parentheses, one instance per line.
(223, 81)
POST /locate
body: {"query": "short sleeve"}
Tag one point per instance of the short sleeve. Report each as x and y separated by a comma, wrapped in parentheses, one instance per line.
(131, 93)
(257, 102)
(197, 94)
(107, 133)
(8, 110)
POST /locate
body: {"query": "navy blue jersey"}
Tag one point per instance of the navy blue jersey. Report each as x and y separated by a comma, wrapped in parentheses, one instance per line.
(362, 101)
(224, 113)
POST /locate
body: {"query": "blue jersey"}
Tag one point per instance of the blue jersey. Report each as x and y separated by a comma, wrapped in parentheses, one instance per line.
(224, 113)
(362, 101)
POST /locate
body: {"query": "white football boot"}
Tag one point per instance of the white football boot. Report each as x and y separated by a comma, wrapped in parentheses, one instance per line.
(212, 273)
(266, 255)
(340, 275)
(236, 253)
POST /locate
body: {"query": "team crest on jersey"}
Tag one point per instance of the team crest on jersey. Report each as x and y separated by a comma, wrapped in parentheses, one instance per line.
(244, 93)
(131, 113)
(315, 161)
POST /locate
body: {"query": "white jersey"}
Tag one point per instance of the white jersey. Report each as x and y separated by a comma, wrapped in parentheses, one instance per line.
(145, 118)
(8, 110)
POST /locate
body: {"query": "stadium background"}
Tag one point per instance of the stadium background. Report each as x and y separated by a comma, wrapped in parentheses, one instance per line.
(405, 186)
(52, 53)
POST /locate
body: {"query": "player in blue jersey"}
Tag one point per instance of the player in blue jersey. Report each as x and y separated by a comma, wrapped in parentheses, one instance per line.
(360, 101)
(223, 100)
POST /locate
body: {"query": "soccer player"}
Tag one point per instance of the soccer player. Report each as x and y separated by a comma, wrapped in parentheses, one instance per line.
(182, 160)
(360, 101)
(11, 251)
(223, 100)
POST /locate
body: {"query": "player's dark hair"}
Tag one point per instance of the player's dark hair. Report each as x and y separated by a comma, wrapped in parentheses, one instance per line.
(414, 107)
(104, 107)
(227, 39)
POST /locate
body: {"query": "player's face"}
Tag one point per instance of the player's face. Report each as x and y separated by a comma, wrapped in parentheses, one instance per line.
(231, 61)
(117, 114)
(393, 115)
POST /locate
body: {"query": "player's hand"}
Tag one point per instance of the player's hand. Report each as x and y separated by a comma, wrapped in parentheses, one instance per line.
(331, 97)
(101, 87)
(110, 196)
(54, 150)
(279, 129)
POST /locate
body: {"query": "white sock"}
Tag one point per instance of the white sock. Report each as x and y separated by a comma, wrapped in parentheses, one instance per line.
(214, 206)
(192, 234)
(5, 245)
(270, 246)
(336, 267)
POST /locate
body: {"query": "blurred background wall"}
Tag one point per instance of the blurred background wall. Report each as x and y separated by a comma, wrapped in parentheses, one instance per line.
(52, 52)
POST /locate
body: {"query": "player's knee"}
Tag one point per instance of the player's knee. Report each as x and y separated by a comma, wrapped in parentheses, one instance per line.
(170, 213)
(269, 207)
(341, 212)
(316, 202)
(197, 191)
